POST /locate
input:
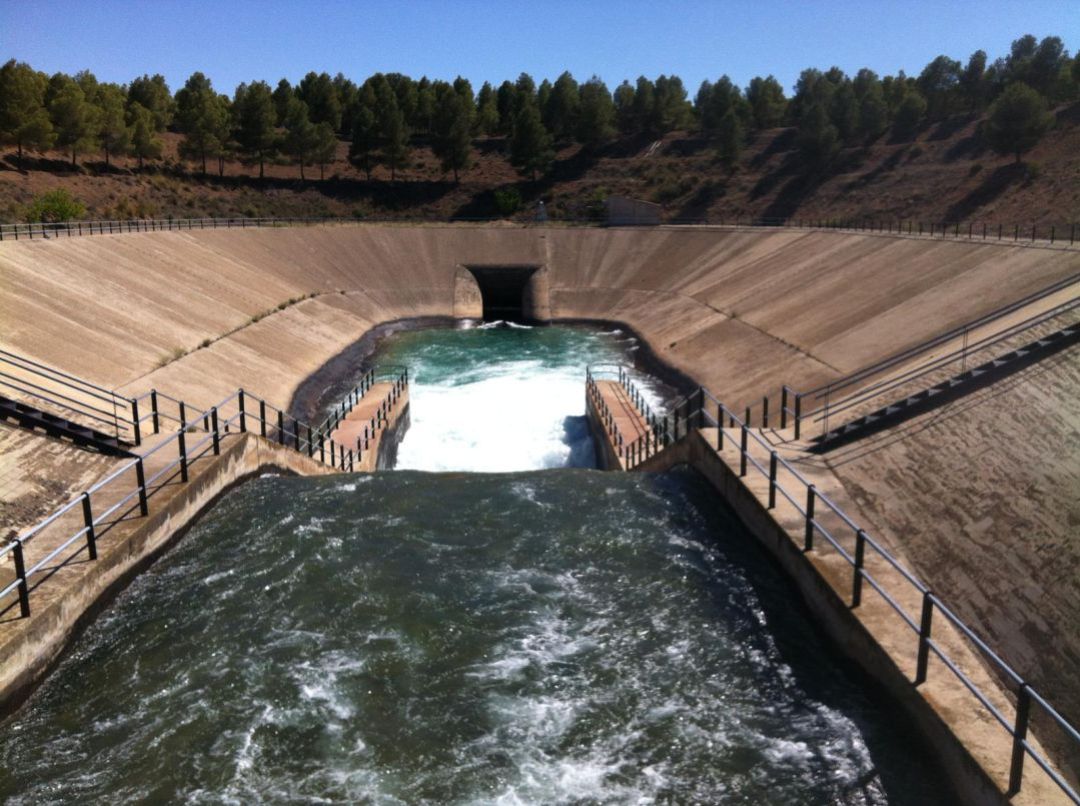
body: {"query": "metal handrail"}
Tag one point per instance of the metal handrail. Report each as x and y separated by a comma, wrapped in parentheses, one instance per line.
(866, 393)
(949, 230)
(929, 344)
(931, 602)
(218, 427)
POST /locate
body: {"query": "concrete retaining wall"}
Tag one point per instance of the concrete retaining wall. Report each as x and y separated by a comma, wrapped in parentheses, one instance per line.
(30, 647)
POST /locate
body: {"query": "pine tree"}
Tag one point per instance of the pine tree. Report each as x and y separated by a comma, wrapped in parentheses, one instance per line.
(145, 144)
(767, 102)
(1017, 120)
(818, 137)
(318, 92)
(365, 140)
(729, 140)
(563, 107)
(324, 147)
(596, 119)
(530, 144)
(452, 142)
(113, 133)
(909, 114)
(299, 139)
(487, 111)
(24, 120)
(253, 109)
(202, 118)
(152, 93)
(284, 95)
(74, 119)
(392, 133)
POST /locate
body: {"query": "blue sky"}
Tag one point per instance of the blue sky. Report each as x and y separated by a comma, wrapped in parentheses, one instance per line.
(243, 41)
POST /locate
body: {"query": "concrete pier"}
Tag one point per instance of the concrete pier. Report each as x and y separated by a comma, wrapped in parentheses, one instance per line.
(373, 421)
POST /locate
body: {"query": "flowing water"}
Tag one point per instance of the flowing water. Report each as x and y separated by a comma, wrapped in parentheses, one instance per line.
(548, 636)
(502, 397)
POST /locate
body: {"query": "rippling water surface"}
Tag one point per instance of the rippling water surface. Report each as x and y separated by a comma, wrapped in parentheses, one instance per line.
(544, 637)
(552, 636)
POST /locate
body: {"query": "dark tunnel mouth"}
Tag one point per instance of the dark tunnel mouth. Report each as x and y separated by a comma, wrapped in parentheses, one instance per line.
(503, 290)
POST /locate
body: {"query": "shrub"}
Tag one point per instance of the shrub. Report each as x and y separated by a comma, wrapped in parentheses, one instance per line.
(53, 206)
(507, 201)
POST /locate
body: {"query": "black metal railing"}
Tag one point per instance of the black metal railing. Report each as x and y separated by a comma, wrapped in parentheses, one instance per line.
(77, 400)
(833, 397)
(398, 378)
(1063, 235)
(128, 490)
(786, 481)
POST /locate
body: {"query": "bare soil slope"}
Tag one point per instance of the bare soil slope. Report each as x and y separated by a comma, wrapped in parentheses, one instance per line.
(945, 174)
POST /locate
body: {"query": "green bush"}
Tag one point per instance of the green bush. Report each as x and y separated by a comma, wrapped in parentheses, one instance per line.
(507, 201)
(56, 205)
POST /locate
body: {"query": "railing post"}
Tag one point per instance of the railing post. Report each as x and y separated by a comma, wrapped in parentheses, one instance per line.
(135, 421)
(262, 418)
(181, 439)
(798, 415)
(808, 535)
(140, 476)
(243, 414)
(719, 426)
(88, 522)
(742, 451)
(296, 433)
(310, 444)
(217, 436)
(20, 574)
(925, 624)
(772, 480)
(765, 412)
(1023, 713)
(856, 581)
(154, 410)
(783, 407)
(281, 427)
(322, 449)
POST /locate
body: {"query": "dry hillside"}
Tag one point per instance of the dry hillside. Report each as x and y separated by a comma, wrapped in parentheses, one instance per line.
(945, 174)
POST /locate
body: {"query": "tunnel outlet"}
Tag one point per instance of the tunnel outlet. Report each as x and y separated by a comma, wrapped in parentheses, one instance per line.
(512, 293)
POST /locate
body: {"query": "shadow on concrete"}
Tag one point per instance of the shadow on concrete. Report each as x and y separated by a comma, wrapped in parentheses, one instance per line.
(933, 397)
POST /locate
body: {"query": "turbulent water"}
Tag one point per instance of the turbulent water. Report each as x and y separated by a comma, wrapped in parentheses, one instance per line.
(545, 637)
(501, 397)
(553, 636)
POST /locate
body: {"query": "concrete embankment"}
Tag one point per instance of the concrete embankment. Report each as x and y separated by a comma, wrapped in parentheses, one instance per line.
(970, 745)
(74, 592)
(198, 314)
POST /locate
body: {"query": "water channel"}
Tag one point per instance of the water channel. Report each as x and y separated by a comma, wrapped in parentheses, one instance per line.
(552, 634)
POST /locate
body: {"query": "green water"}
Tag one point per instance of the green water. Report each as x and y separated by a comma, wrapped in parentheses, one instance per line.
(544, 637)
(550, 635)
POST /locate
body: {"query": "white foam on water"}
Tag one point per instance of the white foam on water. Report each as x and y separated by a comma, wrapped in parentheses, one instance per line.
(512, 417)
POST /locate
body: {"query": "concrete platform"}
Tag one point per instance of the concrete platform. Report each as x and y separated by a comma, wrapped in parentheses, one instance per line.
(375, 418)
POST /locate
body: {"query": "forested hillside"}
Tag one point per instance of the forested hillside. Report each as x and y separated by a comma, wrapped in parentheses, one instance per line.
(994, 141)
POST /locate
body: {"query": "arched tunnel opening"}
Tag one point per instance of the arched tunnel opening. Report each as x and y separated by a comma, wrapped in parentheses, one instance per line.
(506, 292)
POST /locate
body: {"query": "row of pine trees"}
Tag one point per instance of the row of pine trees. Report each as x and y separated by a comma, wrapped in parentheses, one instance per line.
(385, 116)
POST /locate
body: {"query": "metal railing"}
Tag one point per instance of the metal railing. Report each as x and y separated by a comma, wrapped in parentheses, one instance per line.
(398, 378)
(79, 401)
(786, 481)
(817, 404)
(1064, 235)
(85, 519)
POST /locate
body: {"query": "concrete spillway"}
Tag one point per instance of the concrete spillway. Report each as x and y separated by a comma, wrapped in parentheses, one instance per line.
(739, 312)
